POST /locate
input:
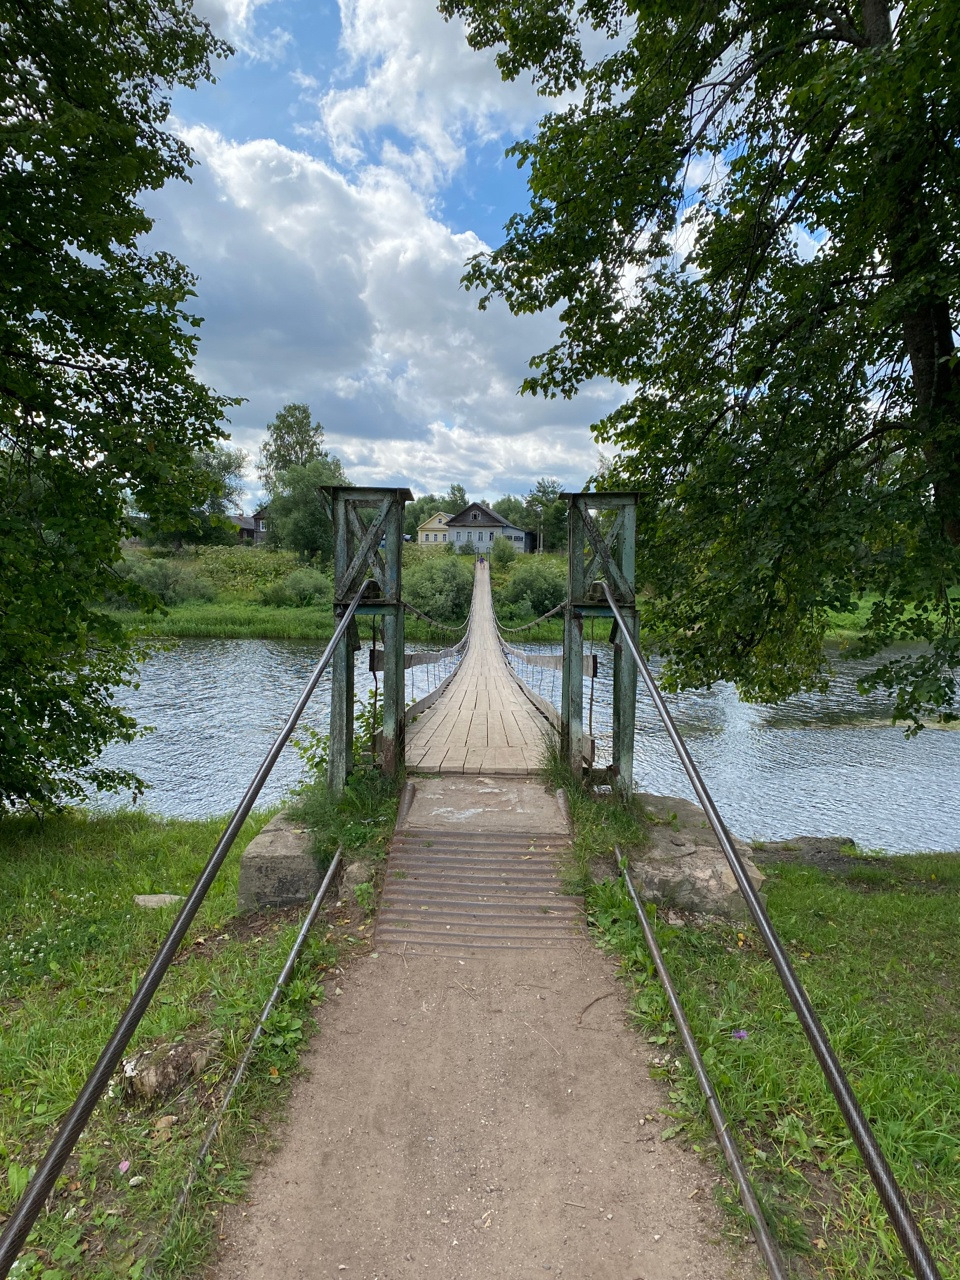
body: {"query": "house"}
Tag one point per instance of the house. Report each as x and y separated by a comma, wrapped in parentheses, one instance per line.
(259, 519)
(434, 530)
(480, 526)
(246, 530)
(250, 529)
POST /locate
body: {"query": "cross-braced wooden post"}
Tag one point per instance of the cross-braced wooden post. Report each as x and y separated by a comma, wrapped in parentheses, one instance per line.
(601, 546)
(367, 537)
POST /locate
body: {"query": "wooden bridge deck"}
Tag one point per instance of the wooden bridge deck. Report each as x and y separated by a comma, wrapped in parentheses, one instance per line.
(482, 722)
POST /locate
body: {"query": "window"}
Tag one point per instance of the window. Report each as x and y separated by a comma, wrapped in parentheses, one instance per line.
(491, 535)
(426, 537)
(458, 537)
(475, 515)
(434, 537)
(444, 537)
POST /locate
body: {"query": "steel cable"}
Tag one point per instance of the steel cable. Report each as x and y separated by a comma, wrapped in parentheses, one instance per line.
(41, 1184)
(894, 1201)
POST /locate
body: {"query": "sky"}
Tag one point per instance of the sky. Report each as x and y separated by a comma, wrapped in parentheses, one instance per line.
(350, 161)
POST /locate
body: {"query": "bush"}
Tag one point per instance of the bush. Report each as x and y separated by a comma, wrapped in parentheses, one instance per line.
(302, 589)
(441, 587)
(170, 582)
(245, 570)
(503, 553)
(541, 586)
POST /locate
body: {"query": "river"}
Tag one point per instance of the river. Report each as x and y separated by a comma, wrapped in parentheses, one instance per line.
(814, 765)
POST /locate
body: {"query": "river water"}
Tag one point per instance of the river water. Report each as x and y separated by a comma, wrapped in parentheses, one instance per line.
(814, 765)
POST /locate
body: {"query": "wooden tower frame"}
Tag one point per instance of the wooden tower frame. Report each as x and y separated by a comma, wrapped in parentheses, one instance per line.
(601, 546)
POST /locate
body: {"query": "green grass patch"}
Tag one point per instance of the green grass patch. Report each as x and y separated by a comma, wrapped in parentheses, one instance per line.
(361, 819)
(72, 947)
(876, 948)
(601, 821)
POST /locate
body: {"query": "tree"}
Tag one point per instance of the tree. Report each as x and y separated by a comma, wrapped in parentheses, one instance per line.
(99, 405)
(220, 476)
(747, 215)
(512, 509)
(547, 513)
(298, 520)
(456, 498)
(292, 441)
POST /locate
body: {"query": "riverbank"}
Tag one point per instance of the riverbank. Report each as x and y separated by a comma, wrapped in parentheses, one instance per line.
(73, 945)
(875, 943)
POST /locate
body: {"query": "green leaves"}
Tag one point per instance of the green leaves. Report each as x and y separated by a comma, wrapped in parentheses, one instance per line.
(748, 218)
(99, 406)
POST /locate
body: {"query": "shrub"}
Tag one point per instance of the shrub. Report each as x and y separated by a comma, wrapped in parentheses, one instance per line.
(503, 553)
(541, 585)
(245, 570)
(170, 582)
(440, 587)
(302, 589)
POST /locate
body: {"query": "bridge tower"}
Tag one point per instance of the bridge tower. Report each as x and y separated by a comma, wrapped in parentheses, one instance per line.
(601, 547)
(367, 537)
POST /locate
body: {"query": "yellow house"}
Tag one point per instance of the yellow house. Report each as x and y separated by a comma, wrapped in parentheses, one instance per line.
(434, 530)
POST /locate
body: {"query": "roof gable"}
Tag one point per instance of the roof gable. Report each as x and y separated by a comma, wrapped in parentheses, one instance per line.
(465, 518)
(442, 516)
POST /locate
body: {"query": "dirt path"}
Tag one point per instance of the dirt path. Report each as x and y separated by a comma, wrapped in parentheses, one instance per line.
(483, 1118)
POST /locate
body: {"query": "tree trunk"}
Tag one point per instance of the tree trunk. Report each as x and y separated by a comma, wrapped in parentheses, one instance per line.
(927, 329)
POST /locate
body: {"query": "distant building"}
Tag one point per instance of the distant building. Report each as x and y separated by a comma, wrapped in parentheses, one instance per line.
(251, 529)
(480, 526)
(259, 519)
(433, 530)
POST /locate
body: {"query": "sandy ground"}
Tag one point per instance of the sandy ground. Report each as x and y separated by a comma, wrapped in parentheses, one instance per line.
(484, 1118)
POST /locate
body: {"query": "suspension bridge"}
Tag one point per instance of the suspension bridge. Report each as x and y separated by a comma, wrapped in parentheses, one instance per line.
(464, 1111)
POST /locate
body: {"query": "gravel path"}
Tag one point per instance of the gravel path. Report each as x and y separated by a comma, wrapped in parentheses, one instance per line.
(487, 1118)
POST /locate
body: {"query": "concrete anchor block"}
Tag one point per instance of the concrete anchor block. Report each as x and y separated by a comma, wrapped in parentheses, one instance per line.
(277, 868)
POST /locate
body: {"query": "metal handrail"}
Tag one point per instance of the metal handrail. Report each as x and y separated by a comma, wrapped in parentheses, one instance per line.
(214, 1127)
(41, 1184)
(441, 626)
(890, 1193)
(748, 1197)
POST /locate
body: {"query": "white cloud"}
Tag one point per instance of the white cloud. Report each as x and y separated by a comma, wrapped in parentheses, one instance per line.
(236, 22)
(345, 293)
(420, 79)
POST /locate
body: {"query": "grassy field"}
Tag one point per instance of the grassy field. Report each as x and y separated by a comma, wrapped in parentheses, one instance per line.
(236, 579)
(72, 946)
(878, 952)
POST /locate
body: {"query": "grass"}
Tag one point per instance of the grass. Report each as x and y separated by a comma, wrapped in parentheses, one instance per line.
(72, 947)
(600, 821)
(877, 951)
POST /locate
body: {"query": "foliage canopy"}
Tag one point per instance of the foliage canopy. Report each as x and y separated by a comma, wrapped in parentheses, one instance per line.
(747, 215)
(99, 407)
(292, 440)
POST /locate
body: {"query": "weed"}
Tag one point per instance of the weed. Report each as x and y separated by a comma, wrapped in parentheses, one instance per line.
(366, 897)
(600, 821)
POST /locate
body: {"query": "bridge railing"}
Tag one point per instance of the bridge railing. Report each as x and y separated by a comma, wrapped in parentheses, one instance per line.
(890, 1193)
(31, 1203)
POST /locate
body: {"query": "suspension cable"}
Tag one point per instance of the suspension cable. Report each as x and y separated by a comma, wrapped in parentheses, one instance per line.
(761, 1232)
(41, 1184)
(888, 1189)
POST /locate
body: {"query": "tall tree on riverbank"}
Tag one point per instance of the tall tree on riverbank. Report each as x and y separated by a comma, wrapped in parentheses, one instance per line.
(292, 440)
(99, 407)
(748, 215)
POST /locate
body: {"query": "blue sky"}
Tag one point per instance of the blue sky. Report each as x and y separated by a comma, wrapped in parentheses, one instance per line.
(350, 161)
